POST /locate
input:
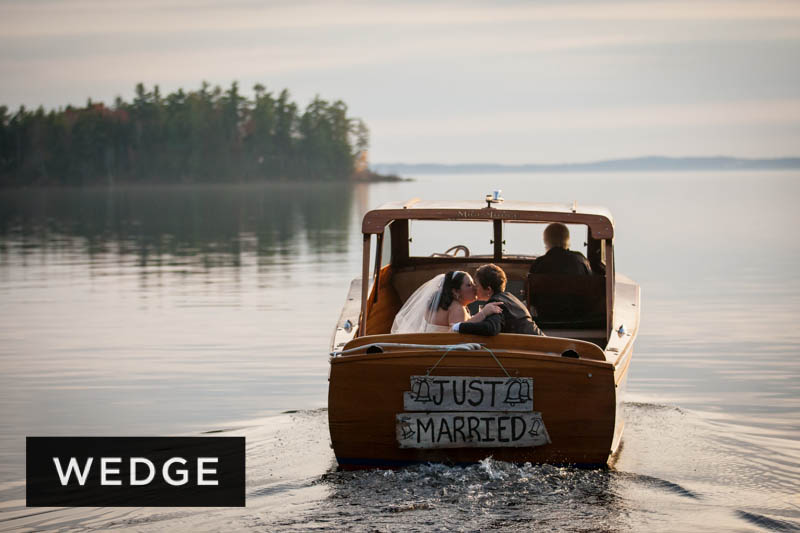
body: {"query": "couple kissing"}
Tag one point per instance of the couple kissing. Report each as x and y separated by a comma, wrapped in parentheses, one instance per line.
(440, 305)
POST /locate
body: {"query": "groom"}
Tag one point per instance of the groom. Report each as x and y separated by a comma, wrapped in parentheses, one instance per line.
(515, 318)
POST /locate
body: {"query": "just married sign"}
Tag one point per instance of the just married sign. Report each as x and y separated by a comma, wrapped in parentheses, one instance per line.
(469, 411)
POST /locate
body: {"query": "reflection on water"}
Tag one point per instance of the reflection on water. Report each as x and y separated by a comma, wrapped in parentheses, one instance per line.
(136, 311)
(212, 225)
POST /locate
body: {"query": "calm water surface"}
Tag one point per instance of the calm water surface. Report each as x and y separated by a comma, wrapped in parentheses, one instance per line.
(183, 310)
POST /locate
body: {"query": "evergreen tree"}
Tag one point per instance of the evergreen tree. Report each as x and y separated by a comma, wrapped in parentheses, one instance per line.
(208, 135)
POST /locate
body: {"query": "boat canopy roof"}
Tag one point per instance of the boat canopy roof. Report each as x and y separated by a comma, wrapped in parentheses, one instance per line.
(598, 219)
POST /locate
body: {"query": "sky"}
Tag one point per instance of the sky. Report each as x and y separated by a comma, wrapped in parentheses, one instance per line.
(445, 82)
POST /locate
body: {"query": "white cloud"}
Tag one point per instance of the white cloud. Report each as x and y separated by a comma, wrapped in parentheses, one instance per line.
(718, 114)
(78, 18)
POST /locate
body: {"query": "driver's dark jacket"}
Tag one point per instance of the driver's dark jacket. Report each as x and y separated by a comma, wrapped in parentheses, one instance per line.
(515, 318)
(561, 261)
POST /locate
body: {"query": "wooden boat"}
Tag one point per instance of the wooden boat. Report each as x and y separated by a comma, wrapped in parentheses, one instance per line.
(400, 399)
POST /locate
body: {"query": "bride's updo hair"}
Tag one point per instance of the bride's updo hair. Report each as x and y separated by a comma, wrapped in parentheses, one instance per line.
(452, 281)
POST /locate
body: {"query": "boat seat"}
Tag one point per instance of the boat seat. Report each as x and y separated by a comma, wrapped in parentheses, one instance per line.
(406, 281)
(566, 301)
(517, 288)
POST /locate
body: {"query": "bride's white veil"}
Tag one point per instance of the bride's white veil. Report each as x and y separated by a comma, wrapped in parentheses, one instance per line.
(420, 306)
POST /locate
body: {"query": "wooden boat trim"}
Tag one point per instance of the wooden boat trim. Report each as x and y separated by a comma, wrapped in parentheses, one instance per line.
(620, 347)
(621, 370)
(348, 319)
(483, 355)
(504, 341)
(362, 328)
(598, 219)
(610, 287)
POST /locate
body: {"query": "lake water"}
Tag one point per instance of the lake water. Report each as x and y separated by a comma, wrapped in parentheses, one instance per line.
(176, 311)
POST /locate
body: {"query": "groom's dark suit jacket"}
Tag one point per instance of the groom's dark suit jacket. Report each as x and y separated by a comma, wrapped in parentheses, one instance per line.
(515, 318)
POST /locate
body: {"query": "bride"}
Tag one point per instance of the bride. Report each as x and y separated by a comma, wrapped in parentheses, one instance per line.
(440, 303)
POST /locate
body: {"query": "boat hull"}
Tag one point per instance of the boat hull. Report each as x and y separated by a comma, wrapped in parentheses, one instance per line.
(576, 398)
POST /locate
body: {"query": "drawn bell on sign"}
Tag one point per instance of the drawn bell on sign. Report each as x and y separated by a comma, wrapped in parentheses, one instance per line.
(421, 390)
(536, 426)
(405, 427)
(517, 391)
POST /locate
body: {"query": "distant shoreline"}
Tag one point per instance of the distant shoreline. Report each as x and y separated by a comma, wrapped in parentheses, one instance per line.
(639, 164)
(370, 176)
(404, 172)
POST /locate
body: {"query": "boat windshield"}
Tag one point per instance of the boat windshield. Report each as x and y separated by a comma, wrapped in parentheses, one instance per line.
(431, 237)
(520, 239)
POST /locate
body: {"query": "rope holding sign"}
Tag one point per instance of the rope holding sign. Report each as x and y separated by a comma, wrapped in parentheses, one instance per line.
(457, 346)
(497, 361)
(440, 360)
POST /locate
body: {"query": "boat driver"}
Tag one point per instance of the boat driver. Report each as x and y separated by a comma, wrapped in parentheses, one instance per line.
(559, 259)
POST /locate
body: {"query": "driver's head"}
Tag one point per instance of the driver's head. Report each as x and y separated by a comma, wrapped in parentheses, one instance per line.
(556, 235)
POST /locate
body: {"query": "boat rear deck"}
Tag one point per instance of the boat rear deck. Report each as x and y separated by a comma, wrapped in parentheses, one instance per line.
(575, 396)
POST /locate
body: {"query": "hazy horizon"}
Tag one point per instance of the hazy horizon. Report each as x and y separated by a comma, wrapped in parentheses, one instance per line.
(518, 83)
(676, 159)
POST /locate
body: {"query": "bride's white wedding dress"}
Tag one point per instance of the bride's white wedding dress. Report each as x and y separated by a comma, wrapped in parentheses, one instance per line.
(434, 328)
(421, 304)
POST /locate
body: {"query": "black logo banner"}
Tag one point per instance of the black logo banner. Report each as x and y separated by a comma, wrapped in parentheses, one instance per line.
(135, 471)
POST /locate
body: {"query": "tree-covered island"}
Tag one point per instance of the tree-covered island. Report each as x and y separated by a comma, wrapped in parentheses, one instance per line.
(203, 136)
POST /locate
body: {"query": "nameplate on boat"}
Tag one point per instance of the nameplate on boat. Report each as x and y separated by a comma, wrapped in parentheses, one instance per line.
(471, 430)
(462, 393)
(487, 213)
